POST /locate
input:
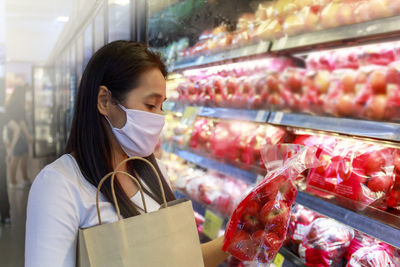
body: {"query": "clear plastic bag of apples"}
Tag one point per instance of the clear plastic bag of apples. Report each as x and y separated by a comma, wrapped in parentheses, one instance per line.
(259, 224)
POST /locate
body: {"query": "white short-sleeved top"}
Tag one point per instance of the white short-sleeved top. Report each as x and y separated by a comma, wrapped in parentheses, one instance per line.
(60, 202)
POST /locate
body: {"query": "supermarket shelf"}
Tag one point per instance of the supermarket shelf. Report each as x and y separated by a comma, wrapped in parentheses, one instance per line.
(237, 114)
(369, 226)
(208, 163)
(355, 127)
(244, 51)
(198, 207)
(291, 260)
(352, 34)
(222, 113)
(362, 128)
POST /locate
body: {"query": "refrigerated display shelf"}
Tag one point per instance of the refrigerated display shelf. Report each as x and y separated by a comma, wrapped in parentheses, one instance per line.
(354, 127)
(235, 114)
(260, 47)
(221, 113)
(291, 259)
(227, 169)
(344, 35)
(369, 226)
(197, 207)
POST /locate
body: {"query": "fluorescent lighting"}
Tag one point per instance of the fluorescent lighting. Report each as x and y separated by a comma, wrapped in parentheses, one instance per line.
(121, 2)
(62, 19)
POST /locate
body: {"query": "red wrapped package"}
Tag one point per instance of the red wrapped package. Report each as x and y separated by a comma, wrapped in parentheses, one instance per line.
(259, 224)
(325, 243)
(376, 255)
(300, 219)
(201, 135)
(360, 240)
(352, 169)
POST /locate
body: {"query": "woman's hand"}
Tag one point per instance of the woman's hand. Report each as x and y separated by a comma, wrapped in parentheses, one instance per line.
(213, 254)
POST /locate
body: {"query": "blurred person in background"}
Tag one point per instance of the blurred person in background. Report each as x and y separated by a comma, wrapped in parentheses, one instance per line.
(17, 137)
(4, 202)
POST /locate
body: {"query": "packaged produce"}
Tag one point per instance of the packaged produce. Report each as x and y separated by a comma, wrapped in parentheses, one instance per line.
(376, 255)
(325, 243)
(300, 219)
(259, 224)
(360, 240)
(353, 169)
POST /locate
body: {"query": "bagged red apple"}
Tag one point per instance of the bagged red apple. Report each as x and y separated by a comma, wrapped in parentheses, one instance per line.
(325, 243)
(259, 224)
(375, 255)
(300, 219)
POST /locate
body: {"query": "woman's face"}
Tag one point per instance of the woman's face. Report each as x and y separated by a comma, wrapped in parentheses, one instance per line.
(148, 96)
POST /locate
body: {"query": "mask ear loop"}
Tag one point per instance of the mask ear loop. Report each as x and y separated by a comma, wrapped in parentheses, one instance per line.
(115, 101)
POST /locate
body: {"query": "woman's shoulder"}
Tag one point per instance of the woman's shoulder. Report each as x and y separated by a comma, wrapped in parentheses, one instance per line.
(63, 172)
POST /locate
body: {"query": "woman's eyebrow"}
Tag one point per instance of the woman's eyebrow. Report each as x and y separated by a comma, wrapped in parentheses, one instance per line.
(156, 95)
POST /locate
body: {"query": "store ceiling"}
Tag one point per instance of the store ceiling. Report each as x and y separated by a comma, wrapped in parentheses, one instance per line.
(32, 28)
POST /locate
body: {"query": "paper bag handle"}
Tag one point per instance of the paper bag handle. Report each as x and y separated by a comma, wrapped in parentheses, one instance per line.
(112, 174)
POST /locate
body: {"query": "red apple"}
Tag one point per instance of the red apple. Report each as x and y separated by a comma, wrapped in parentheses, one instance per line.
(380, 183)
(275, 216)
(375, 162)
(394, 198)
(253, 207)
(347, 107)
(273, 82)
(397, 161)
(270, 243)
(376, 107)
(349, 83)
(242, 247)
(295, 81)
(251, 222)
(282, 185)
(378, 81)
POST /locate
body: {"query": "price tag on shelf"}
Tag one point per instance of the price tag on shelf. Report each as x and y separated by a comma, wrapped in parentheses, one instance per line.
(189, 115)
(279, 259)
(212, 224)
(260, 116)
(278, 118)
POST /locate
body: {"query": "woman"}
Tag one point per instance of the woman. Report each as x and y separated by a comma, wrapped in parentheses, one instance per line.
(118, 114)
(17, 136)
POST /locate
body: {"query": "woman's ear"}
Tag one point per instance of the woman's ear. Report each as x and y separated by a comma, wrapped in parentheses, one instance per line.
(103, 100)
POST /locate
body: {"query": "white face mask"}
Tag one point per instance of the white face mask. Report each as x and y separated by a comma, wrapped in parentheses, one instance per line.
(139, 136)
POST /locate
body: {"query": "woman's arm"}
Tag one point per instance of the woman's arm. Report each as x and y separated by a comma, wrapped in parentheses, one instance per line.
(213, 255)
(52, 222)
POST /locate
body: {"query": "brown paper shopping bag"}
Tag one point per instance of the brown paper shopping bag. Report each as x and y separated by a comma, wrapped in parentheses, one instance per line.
(167, 237)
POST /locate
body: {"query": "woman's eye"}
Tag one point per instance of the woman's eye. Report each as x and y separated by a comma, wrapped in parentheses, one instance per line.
(151, 107)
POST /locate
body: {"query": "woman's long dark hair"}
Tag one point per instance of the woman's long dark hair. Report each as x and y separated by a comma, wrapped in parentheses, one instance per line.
(117, 66)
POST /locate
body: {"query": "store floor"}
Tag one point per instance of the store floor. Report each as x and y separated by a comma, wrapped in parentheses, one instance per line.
(12, 237)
